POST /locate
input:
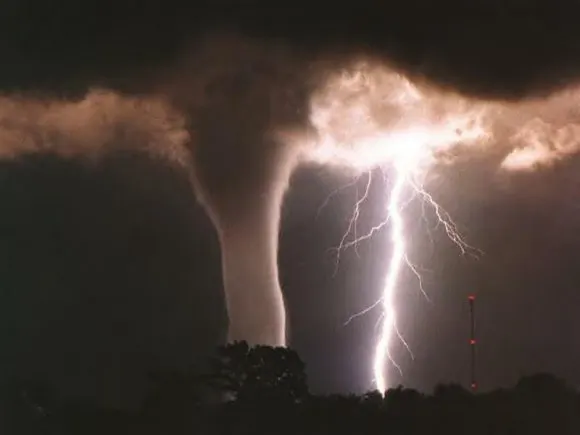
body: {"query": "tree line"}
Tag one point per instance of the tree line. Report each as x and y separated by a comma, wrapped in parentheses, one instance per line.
(264, 390)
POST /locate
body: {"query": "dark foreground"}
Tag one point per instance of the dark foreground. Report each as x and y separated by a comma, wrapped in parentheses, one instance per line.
(263, 390)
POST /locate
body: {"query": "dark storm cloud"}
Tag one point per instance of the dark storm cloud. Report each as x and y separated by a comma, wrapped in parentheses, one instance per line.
(243, 87)
(499, 48)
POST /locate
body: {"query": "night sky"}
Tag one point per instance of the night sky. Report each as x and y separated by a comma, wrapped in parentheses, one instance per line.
(111, 268)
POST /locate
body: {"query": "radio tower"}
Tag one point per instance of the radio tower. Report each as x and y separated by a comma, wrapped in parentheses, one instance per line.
(472, 341)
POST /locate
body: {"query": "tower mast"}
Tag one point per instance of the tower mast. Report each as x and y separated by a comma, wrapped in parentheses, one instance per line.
(472, 342)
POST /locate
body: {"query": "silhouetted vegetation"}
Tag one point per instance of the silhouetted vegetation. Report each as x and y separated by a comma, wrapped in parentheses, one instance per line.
(263, 390)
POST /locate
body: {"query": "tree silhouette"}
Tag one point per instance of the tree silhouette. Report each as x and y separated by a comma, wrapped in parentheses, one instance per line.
(25, 405)
(542, 385)
(84, 416)
(266, 390)
(173, 394)
(546, 404)
(373, 399)
(451, 392)
(247, 373)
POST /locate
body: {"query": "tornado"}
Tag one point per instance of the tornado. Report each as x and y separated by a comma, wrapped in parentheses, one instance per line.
(248, 236)
(249, 246)
(241, 176)
(242, 97)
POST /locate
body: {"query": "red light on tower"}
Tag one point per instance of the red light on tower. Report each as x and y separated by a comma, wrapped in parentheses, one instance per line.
(472, 340)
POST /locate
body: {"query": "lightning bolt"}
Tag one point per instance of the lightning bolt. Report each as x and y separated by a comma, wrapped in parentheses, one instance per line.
(407, 186)
(367, 116)
(398, 255)
(413, 130)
